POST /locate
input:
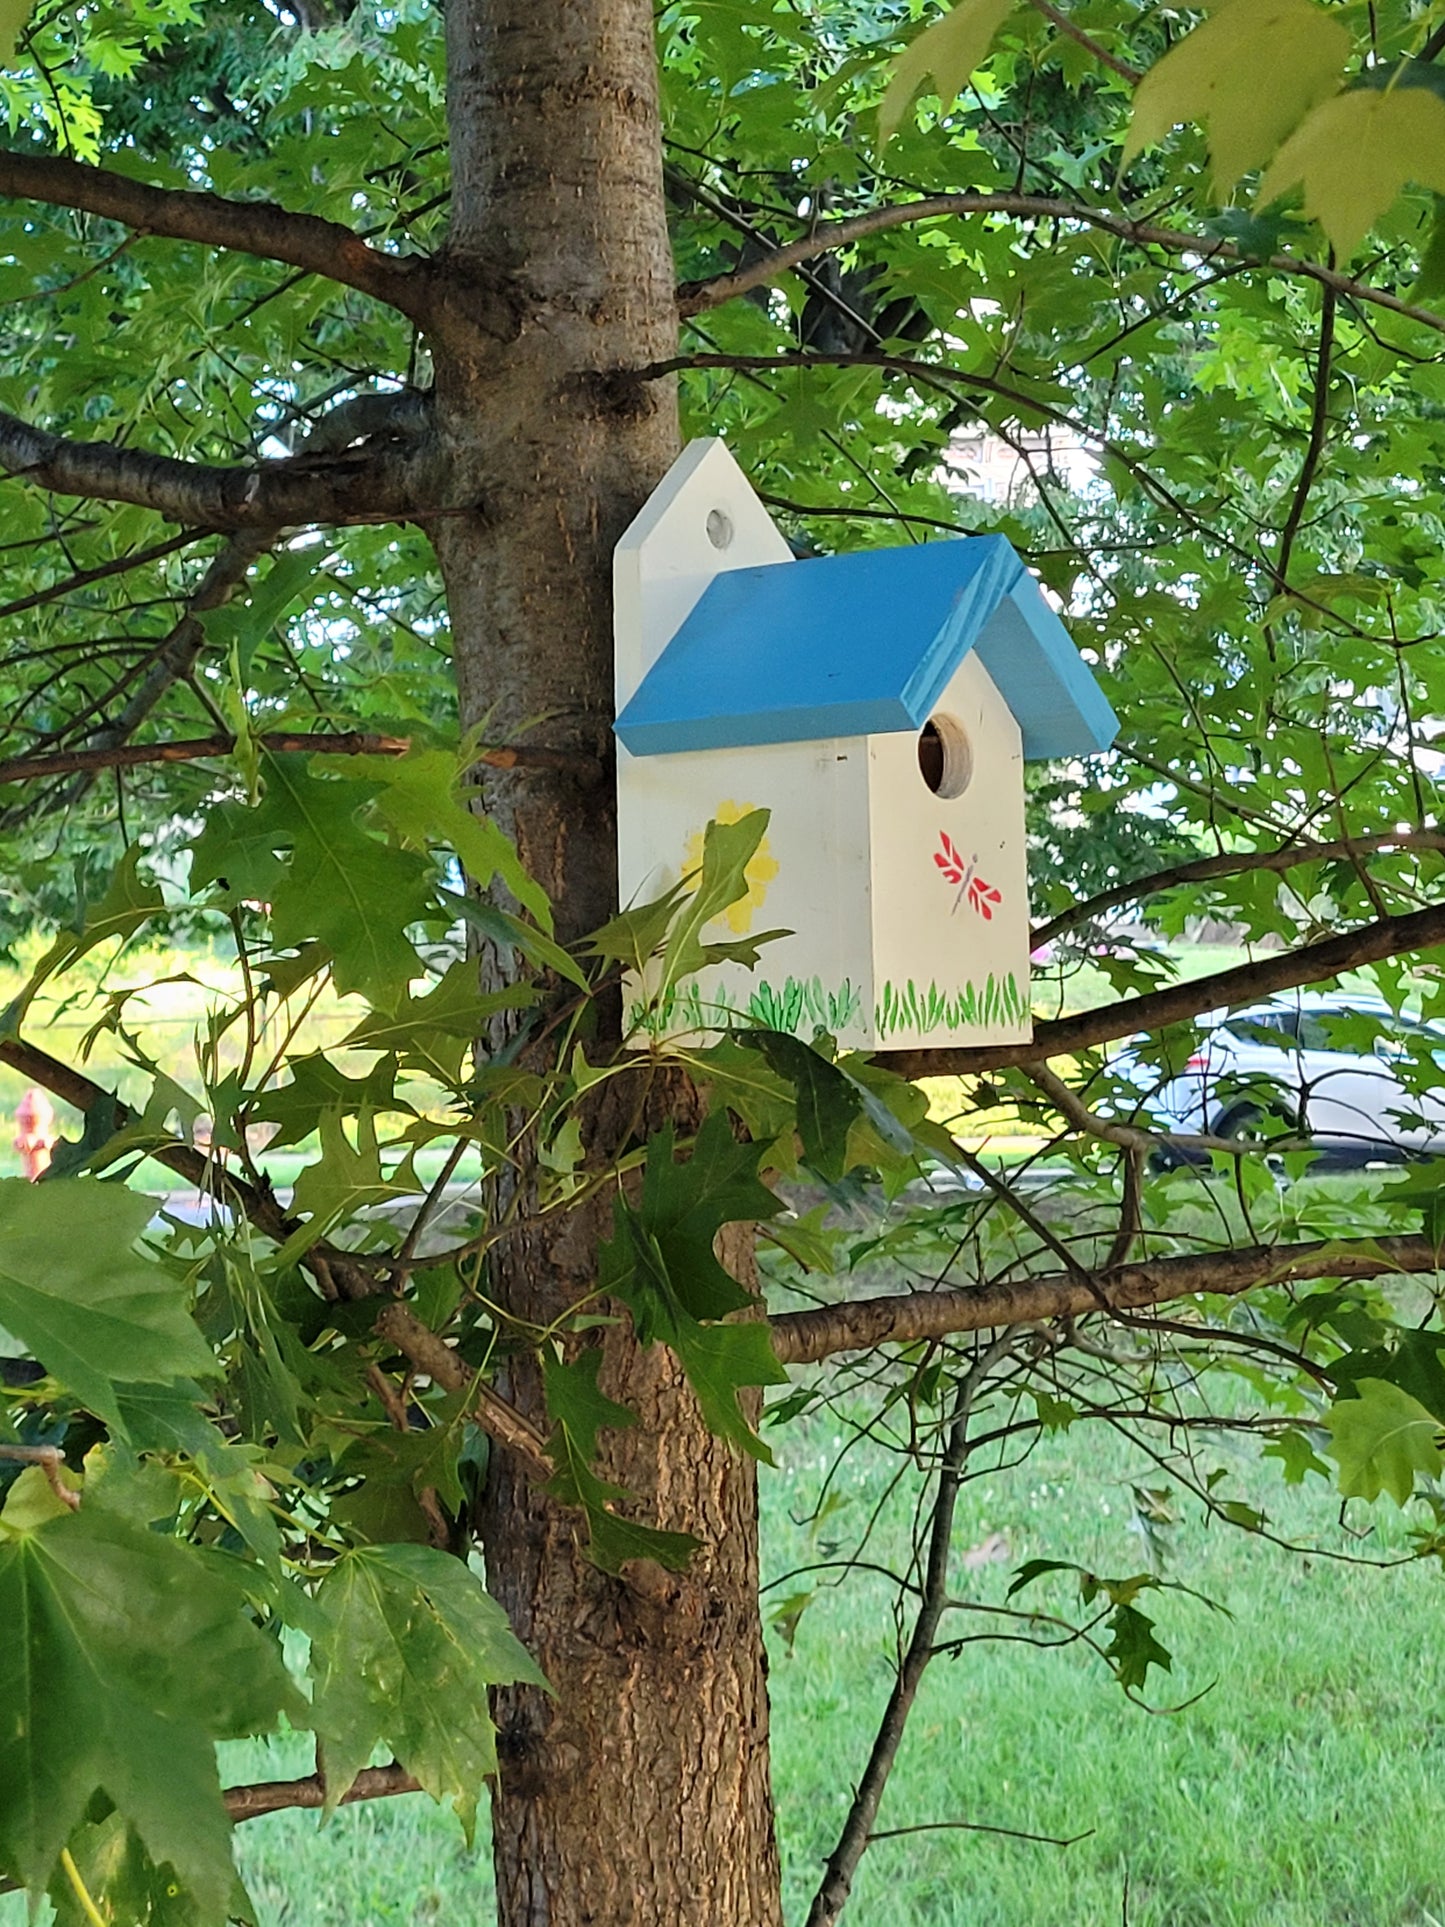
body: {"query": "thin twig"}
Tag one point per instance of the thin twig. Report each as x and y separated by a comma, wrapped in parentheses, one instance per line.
(21, 769)
(49, 1458)
(694, 297)
(120, 566)
(977, 1826)
(857, 1830)
(1234, 863)
(1319, 428)
(1062, 21)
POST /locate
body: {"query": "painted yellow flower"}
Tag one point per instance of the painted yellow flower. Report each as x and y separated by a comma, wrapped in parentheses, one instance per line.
(762, 868)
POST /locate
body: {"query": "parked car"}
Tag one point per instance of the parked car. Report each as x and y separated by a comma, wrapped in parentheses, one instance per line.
(1299, 1066)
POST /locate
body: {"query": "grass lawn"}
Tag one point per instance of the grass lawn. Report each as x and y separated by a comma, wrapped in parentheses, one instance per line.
(1306, 1788)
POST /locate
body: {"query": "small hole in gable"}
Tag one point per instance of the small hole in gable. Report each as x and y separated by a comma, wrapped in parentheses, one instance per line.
(719, 529)
(945, 756)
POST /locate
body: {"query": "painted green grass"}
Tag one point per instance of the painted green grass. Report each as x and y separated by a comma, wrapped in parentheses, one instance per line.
(1305, 1789)
(912, 1007)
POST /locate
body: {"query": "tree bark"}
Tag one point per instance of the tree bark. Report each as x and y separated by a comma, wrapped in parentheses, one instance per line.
(639, 1794)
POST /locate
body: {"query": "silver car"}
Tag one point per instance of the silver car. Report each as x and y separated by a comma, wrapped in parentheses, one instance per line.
(1284, 1068)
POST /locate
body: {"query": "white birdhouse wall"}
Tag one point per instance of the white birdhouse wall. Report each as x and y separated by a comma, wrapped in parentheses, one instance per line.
(949, 874)
(894, 856)
(810, 875)
(908, 908)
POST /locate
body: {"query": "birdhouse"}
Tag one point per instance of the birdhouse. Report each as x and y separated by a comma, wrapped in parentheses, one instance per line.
(881, 707)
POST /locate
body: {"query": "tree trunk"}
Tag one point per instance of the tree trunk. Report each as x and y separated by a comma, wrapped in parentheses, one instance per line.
(640, 1794)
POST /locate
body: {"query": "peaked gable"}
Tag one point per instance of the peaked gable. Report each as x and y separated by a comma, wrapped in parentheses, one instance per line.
(864, 644)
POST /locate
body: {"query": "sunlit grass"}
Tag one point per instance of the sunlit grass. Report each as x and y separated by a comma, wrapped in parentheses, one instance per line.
(1306, 1786)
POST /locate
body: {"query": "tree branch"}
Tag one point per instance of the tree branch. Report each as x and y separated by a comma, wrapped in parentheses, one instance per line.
(1062, 21)
(432, 1355)
(942, 375)
(1311, 963)
(120, 566)
(352, 742)
(133, 755)
(275, 1796)
(807, 1337)
(1132, 1137)
(259, 228)
(1319, 428)
(347, 1272)
(837, 1881)
(1206, 869)
(695, 297)
(398, 481)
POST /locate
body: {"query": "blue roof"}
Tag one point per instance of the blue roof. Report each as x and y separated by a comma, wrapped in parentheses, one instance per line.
(863, 644)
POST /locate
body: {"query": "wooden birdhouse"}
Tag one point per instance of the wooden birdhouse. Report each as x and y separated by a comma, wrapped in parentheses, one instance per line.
(881, 707)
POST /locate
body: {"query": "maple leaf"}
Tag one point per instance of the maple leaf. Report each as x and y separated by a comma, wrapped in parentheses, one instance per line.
(660, 1262)
(1380, 1439)
(78, 1294)
(1354, 154)
(1249, 73)
(410, 1643)
(96, 1705)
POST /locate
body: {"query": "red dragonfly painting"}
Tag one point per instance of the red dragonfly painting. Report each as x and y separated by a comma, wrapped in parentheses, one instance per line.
(981, 896)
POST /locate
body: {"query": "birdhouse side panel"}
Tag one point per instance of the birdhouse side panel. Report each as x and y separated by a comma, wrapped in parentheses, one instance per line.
(950, 874)
(809, 876)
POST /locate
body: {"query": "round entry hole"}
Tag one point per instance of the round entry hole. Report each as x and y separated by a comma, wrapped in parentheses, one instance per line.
(719, 528)
(945, 756)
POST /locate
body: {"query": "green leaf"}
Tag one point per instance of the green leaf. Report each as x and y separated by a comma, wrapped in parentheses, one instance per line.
(30, 1502)
(579, 1411)
(418, 795)
(575, 1405)
(660, 1262)
(1353, 156)
(613, 1539)
(431, 1032)
(346, 1179)
(1380, 1440)
(125, 1702)
(129, 903)
(1430, 282)
(305, 851)
(1250, 73)
(1133, 1649)
(243, 626)
(828, 1101)
(113, 1863)
(13, 16)
(501, 927)
(317, 1086)
(722, 1360)
(809, 1240)
(949, 52)
(410, 1645)
(727, 850)
(636, 934)
(1297, 1456)
(76, 1292)
(682, 1208)
(166, 1421)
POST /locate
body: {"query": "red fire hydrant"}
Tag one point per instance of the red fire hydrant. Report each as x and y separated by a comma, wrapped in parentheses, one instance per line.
(34, 1131)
